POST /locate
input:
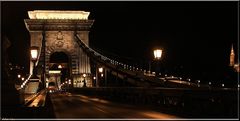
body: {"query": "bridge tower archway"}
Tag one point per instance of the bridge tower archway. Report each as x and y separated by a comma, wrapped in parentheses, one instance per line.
(59, 69)
(55, 31)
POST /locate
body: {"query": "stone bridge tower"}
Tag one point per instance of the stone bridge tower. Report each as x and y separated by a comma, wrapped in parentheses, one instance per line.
(54, 31)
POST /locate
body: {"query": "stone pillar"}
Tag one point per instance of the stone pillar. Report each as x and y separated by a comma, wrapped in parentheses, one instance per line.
(84, 65)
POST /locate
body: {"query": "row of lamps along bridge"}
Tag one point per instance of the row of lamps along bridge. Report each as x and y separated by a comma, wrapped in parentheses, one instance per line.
(34, 55)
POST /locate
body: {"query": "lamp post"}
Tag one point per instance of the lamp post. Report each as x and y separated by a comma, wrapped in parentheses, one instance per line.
(157, 56)
(69, 83)
(84, 81)
(34, 55)
(100, 70)
(94, 81)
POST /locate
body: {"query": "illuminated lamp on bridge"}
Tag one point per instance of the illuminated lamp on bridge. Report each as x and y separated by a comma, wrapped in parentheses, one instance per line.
(84, 80)
(157, 56)
(34, 56)
(222, 85)
(84, 75)
(100, 70)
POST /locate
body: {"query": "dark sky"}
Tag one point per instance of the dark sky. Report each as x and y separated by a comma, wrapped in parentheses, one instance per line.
(195, 35)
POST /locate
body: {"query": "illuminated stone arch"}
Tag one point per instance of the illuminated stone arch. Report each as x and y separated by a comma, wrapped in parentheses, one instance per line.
(58, 34)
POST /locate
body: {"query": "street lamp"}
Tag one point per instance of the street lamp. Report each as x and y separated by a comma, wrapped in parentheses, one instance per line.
(100, 70)
(34, 55)
(84, 81)
(94, 81)
(157, 56)
(222, 85)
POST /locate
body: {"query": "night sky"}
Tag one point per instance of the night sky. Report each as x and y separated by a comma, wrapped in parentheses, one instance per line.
(193, 35)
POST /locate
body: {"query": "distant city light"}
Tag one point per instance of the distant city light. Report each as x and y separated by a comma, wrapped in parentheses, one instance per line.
(189, 79)
(222, 85)
(94, 77)
(19, 76)
(238, 86)
(199, 81)
(101, 75)
(22, 78)
(209, 83)
(84, 75)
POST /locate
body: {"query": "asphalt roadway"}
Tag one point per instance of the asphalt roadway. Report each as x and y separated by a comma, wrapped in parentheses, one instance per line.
(76, 106)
